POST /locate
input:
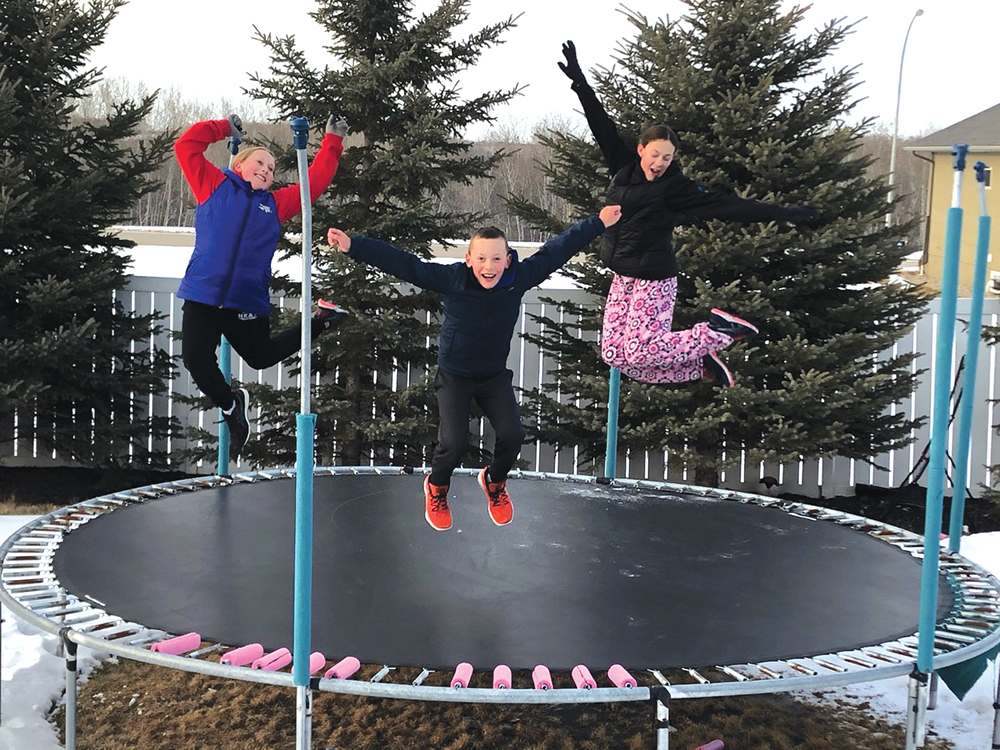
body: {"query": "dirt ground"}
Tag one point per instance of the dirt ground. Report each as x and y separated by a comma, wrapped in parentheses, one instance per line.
(128, 705)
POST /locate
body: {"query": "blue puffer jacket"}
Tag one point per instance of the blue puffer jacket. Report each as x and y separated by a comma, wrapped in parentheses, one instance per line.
(236, 234)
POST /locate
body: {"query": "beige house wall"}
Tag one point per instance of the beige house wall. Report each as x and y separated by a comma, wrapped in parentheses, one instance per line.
(939, 203)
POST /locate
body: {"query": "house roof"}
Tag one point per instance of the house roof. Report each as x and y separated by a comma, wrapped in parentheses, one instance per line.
(981, 132)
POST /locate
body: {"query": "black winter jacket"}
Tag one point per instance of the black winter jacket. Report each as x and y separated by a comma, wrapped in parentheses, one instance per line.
(641, 244)
(478, 323)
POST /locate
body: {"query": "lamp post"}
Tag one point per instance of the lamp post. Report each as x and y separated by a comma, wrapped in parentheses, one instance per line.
(895, 122)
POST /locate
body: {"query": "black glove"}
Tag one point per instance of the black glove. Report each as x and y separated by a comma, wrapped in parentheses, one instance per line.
(236, 127)
(572, 67)
(337, 125)
(800, 214)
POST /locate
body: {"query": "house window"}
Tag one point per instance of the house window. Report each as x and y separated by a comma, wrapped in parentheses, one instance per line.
(987, 174)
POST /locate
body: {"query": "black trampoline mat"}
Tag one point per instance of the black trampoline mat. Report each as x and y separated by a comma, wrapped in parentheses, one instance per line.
(586, 574)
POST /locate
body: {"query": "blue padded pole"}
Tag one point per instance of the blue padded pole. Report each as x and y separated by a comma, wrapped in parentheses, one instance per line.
(305, 424)
(939, 426)
(226, 358)
(611, 445)
(961, 481)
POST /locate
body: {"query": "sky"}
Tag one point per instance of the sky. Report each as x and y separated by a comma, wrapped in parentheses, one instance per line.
(33, 678)
(206, 49)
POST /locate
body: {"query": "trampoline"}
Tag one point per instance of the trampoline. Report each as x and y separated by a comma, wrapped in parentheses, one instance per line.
(731, 589)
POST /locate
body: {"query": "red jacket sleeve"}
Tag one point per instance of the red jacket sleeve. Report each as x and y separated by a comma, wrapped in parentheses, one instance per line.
(321, 172)
(201, 174)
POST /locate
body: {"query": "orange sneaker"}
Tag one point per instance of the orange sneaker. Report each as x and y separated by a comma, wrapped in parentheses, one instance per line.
(500, 507)
(436, 509)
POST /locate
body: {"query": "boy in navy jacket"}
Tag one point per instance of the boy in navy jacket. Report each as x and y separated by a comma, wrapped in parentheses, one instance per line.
(482, 302)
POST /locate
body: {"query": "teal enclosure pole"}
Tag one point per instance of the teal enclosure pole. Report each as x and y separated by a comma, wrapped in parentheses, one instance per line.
(305, 424)
(939, 420)
(226, 361)
(961, 480)
(611, 445)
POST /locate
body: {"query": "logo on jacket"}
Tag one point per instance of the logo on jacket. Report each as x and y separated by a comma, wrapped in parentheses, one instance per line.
(246, 316)
(265, 209)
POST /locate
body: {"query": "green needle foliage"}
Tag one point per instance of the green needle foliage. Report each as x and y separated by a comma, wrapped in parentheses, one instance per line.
(76, 370)
(758, 114)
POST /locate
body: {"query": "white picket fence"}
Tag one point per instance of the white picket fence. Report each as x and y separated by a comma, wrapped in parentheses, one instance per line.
(812, 478)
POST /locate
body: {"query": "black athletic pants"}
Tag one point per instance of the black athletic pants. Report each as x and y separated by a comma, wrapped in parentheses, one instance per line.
(249, 334)
(495, 396)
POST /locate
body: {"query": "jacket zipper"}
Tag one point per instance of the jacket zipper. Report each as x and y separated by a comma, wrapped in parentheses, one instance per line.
(236, 252)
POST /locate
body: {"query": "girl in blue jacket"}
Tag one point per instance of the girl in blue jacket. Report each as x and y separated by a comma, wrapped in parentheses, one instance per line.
(481, 305)
(226, 287)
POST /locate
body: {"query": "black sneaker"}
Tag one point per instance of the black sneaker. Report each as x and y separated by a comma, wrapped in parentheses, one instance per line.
(328, 315)
(730, 325)
(713, 369)
(239, 424)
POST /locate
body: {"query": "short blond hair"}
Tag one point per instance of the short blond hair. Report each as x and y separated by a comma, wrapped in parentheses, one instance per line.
(243, 155)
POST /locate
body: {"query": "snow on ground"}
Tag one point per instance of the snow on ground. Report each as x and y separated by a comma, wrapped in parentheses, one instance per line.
(33, 678)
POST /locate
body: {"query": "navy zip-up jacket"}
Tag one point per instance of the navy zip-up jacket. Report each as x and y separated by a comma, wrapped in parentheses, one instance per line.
(478, 323)
(641, 244)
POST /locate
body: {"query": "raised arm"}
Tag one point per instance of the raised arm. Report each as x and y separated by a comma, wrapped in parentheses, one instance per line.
(617, 152)
(321, 171)
(557, 251)
(201, 174)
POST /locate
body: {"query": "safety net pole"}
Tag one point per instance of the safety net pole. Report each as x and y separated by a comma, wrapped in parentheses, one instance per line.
(305, 424)
(965, 416)
(611, 444)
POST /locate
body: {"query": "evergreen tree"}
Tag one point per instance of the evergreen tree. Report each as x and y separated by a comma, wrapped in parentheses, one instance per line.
(72, 361)
(393, 79)
(756, 115)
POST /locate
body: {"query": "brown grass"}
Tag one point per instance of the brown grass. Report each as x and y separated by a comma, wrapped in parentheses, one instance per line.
(130, 705)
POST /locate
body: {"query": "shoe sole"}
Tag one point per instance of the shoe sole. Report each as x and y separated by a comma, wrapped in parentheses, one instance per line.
(482, 486)
(738, 321)
(730, 381)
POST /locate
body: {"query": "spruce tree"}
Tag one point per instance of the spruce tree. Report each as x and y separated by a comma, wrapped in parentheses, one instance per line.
(393, 77)
(76, 370)
(758, 116)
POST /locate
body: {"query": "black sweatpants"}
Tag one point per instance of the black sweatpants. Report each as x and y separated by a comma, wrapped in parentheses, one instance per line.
(249, 334)
(495, 396)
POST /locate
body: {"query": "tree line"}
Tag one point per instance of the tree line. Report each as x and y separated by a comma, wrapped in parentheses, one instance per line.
(811, 386)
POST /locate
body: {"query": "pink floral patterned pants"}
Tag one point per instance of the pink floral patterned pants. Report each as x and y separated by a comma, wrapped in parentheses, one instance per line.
(637, 339)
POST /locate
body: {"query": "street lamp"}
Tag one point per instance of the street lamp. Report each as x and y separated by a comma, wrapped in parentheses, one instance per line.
(895, 122)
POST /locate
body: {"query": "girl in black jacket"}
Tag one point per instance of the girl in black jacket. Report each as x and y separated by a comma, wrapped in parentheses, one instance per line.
(648, 184)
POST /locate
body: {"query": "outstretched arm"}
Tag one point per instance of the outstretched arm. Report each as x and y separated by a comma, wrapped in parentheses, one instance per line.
(691, 198)
(617, 152)
(399, 263)
(558, 250)
(200, 173)
(321, 171)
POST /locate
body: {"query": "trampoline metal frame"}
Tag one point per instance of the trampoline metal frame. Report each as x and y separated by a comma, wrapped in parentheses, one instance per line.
(29, 589)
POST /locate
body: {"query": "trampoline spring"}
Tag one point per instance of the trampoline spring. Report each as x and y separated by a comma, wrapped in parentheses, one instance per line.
(802, 668)
(696, 676)
(830, 665)
(105, 621)
(857, 660)
(207, 650)
(768, 672)
(421, 677)
(882, 656)
(658, 675)
(733, 673)
(946, 635)
(380, 675)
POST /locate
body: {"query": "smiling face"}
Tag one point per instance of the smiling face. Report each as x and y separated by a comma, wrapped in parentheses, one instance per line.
(256, 167)
(488, 259)
(655, 157)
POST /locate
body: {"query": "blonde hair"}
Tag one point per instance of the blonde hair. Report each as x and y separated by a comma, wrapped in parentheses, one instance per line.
(243, 155)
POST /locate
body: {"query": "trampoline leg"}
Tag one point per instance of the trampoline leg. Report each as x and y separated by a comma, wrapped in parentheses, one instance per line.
(933, 693)
(916, 710)
(69, 648)
(661, 721)
(303, 718)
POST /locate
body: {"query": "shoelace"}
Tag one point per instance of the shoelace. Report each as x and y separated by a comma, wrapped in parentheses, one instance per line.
(498, 496)
(439, 503)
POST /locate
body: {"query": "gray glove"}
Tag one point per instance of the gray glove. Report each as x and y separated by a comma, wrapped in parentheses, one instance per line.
(236, 127)
(337, 125)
